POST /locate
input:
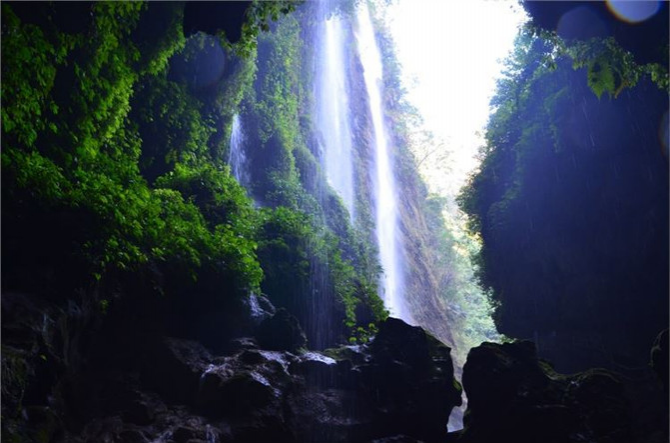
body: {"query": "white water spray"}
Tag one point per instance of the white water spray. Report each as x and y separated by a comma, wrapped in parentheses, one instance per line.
(386, 210)
(332, 113)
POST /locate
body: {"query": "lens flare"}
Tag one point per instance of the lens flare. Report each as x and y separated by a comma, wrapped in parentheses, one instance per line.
(633, 11)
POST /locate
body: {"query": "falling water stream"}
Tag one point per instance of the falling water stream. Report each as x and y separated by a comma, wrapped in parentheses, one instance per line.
(332, 109)
(384, 185)
(334, 120)
(237, 157)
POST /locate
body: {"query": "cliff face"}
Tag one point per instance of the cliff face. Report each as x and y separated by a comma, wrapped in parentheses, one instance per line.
(129, 306)
(572, 203)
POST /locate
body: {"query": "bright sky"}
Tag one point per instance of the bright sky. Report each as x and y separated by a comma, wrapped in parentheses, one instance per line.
(450, 51)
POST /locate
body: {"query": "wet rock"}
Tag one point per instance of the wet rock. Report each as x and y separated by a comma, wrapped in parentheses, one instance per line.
(174, 369)
(598, 397)
(331, 415)
(140, 412)
(247, 392)
(281, 332)
(262, 428)
(260, 308)
(184, 434)
(317, 369)
(235, 394)
(42, 422)
(236, 345)
(356, 354)
(400, 384)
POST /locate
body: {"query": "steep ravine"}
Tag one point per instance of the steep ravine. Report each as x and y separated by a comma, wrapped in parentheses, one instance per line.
(166, 279)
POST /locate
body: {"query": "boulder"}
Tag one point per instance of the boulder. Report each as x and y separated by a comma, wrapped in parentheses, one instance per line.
(514, 396)
(399, 342)
(248, 386)
(317, 369)
(410, 375)
(400, 384)
(281, 332)
(331, 415)
(174, 367)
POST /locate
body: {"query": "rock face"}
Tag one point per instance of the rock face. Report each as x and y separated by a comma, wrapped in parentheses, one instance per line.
(513, 396)
(281, 332)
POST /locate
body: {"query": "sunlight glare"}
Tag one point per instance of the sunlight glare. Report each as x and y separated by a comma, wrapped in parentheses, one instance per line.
(452, 52)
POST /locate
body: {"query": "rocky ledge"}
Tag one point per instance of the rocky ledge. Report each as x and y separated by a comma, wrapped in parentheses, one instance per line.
(262, 384)
(514, 396)
(261, 387)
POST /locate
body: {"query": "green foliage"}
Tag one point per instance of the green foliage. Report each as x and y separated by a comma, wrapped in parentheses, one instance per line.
(171, 126)
(30, 62)
(291, 246)
(610, 68)
(33, 171)
(133, 160)
(279, 81)
(259, 15)
(104, 79)
(158, 35)
(71, 143)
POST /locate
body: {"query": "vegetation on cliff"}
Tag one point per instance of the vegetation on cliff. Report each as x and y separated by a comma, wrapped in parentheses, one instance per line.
(571, 201)
(115, 158)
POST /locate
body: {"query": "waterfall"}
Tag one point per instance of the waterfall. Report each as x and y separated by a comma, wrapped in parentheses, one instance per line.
(332, 110)
(384, 186)
(237, 158)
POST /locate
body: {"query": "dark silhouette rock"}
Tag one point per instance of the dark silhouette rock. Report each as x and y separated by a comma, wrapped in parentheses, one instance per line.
(660, 357)
(333, 415)
(400, 384)
(237, 394)
(281, 332)
(174, 369)
(514, 396)
(411, 375)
